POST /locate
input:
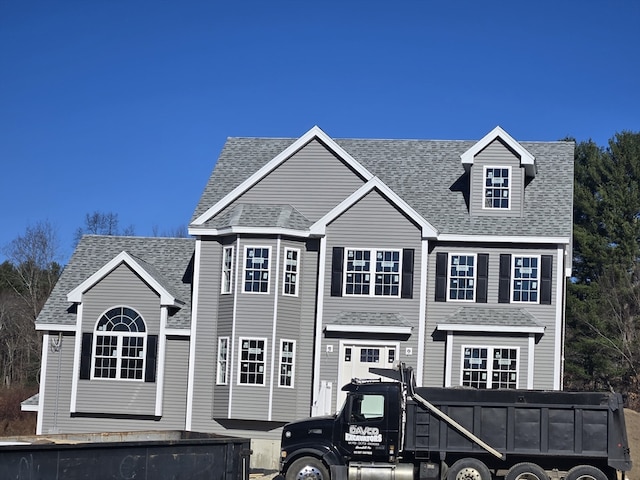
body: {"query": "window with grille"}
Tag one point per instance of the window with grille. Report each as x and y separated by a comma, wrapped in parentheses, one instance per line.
(120, 345)
(489, 367)
(497, 189)
(287, 362)
(462, 276)
(290, 283)
(256, 270)
(227, 270)
(526, 275)
(382, 265)
(223, 361)
(252, 361)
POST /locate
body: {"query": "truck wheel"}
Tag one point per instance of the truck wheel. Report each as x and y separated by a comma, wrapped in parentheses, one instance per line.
(585, 472)
(526, 471)
(307, 468)
(468, 469)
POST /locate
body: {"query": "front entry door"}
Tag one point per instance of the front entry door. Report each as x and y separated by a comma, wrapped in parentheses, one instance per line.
(357, 358)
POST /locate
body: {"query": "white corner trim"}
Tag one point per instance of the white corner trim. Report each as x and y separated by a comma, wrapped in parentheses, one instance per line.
(77, 352)
(161, 363)
(454, 327)
(369, 328)
(317, 356)
(318, 228)
(232, 340)
(274, 326)
(559, 327)
(166, 298)
(448, 363)
(531, 360)
(192, 342)
(424, 262)
(43, 381)
(314, 132)
(526, 158)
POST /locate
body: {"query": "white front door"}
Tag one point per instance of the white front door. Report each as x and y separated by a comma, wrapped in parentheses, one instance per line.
(357, 358)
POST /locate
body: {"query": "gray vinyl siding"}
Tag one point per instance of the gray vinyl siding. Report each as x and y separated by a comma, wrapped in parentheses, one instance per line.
(59, 395)
(373, 223)
(313, 180)
(439, 312)
(121, 287)
(496, 155)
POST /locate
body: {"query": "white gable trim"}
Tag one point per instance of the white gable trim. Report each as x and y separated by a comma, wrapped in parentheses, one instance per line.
(314, 133)
(319, 228)
(166, 298)
(526, 159)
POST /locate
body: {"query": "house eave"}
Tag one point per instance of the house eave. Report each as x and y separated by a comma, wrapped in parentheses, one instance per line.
(234, 230)
(456, 327)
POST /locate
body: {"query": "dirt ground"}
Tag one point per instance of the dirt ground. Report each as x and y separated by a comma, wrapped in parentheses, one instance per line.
(632, 419)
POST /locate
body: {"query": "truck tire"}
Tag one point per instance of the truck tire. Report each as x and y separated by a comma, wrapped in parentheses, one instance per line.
(526, 471)
(585, 472)
(307, 468)
(468, 469)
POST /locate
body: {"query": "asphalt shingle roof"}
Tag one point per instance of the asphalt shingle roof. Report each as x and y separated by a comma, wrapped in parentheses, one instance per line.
(260, 215)
(504, 317)
(369, 319)
(167, 259)
(429, 176)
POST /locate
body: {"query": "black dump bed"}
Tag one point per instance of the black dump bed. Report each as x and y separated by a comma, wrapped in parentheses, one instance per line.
(580, 427)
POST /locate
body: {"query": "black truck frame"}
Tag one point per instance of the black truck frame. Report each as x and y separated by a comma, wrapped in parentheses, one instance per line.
(391, 430)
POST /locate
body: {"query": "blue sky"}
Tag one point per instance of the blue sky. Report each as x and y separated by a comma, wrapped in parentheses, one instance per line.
(123, 106)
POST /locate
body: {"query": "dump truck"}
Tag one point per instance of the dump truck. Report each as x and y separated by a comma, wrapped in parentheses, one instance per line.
(388, 429)
(174, 454)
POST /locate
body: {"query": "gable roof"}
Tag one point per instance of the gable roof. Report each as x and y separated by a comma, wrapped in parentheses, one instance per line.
(428, 176)
(163, 262)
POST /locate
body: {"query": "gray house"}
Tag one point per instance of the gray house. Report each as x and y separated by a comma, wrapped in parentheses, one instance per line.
(312, 260)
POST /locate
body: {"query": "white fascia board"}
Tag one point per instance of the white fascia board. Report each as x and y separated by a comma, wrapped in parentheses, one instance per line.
(177, 332)
(315, 132)
(234, 230)
(166, 298)
(319, 228)
(30, 408)
(369, 329)
(456, 327)
(452, 237)
(54, 327)
(526, 158)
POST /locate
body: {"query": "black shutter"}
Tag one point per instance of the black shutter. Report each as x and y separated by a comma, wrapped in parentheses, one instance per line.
(441, 276)
(482, 279)
(545, 279)
(504, 283)
(336, 271)
(152, 356)
(85, 356)
(407, 272)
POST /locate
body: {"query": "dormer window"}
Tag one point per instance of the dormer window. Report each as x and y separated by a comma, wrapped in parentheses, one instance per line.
(497, 187)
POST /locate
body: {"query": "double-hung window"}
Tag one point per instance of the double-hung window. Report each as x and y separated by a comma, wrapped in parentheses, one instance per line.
(252, 361)
(489, 367)
(120, 345)
(287, 363)
(223, 361)
(462, 277)
(372, 272)
(526, 276)
(291, 267)
(227, 269)
(256, 269)
(497, 187)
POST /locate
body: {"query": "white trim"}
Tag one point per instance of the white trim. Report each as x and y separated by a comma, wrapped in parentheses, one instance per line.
(490, 349)
(177, 332)
(56, 327)
(44, 364)
(313, 133)
(297, 271)
(77, 356)
(456, 327)
(319, 320)
(369, 328)
(319, 228)
(448, 362)
(373, 253)
(484, 188)
(526, 158)
(160, 361)
(233, 327)
(558, 363)
(514, 279)
(274, 322)
(166, 298)
(265, 340)
(237, 230)
(474, 278)
(451, 237)
(531, 357)
(293, 362)
(424, 261)
(268, 270)
(194, 323)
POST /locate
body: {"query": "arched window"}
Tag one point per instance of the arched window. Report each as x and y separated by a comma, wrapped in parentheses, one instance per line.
(120, 345)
